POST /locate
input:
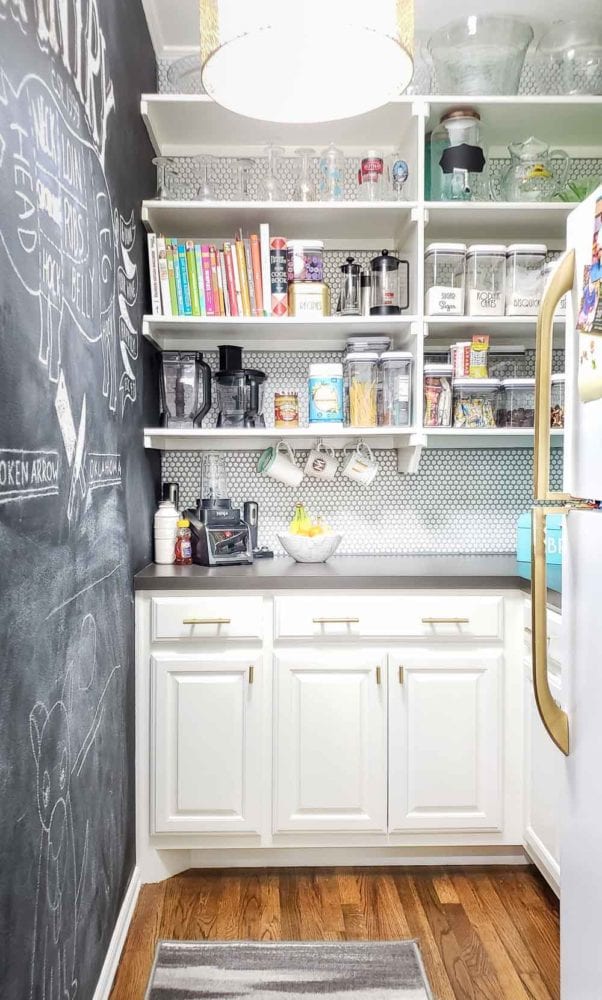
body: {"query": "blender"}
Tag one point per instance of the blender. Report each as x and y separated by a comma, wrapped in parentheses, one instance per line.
(220, 536)
(239, 391)
(185, 389)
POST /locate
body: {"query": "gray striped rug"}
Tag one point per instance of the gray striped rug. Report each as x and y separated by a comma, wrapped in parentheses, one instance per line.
(193, 970)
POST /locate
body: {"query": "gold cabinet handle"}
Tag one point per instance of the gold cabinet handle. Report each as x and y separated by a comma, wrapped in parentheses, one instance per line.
(401, 675)
(378, 675)
(206, 621)
(251, 674)
(560, 283)
(335, 621)
(555, 720)
(445, 621)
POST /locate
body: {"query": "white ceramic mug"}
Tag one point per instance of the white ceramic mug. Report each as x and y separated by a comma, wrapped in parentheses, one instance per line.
(279, 464)
(321, 463)
(361, 465)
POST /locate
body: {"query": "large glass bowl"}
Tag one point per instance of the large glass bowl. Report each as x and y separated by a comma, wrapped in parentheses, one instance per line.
(480, 55)
(569, 57)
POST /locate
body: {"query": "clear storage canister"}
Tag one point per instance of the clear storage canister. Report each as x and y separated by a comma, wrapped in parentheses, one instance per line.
(437, 395)
(486, 279)
(361, 377)
(517, 403)
(396, 375)
(524, 278)
(444, 273)
(476, 402)
(557, 401)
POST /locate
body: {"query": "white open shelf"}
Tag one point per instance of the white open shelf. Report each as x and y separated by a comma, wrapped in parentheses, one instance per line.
(494, 437)
(257, 438)
(330, 333)
(497, 221)
(501, 329)
(351, 220)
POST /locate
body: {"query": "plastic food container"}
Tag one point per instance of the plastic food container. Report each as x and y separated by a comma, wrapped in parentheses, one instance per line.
(476, 402)
(325, 387)
(557, 401)
(437, 395)
(444, 274)
(486, 279)
(368, 342)
(524, 278)
(305, 260)
(361, 373)
(517, 404)
(396, 375)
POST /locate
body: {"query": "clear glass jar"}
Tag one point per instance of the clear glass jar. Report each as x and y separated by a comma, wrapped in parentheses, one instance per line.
(361, 378)
(371, 176)
(457, 157)
(476, 402)
(331, 172)
(396, 376)
(486, 279)
(517, 403)
(437, 395)
(524, 278)
(444, 279)
(557, 401)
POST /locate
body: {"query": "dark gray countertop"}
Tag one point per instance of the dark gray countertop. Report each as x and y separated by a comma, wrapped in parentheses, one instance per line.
(478, 572)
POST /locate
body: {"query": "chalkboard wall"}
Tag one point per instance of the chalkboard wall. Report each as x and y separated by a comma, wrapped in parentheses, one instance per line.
(77, 489)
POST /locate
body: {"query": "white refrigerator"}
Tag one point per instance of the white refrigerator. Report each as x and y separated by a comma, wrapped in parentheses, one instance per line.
(576, 725)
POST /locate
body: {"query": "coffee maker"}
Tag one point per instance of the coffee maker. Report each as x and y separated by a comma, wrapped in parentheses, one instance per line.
(239, 391)
(220, 536)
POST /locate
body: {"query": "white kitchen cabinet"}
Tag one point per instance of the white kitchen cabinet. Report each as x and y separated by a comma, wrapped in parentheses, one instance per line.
(543, 776)
(330, 756)
(445, 740)
(206, 769)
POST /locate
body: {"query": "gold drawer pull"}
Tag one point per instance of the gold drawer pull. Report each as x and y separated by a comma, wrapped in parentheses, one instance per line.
(335, 621)
(206, 621)
(378, 677)
(251, 674)
(446, 621)
(401, 675)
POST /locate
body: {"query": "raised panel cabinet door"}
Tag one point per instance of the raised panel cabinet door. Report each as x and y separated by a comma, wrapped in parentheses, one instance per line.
(543, 778)
(445, 740)
(330, 740)
(206, 743)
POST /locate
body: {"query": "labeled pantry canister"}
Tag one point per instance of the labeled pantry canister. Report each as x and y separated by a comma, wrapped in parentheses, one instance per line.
(444, 277)
(517, 403)
(361, 375)
(557, 401)
(286, 409)
(475, 402)
(437, 395)
(305, 260)
(309, 299)
(325, 386)
(350, 304)
(396, 378)
(486, 279)
(524, 278)
(390, 288)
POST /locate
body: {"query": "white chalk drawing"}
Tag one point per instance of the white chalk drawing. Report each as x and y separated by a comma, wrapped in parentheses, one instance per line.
(66, 245)
(28, 474)
(103, 470)
(16, 10)
(63, 850)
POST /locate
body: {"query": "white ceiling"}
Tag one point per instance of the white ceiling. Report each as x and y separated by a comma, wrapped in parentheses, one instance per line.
(174, 24)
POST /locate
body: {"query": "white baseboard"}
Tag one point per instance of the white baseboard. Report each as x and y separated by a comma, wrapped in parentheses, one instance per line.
(107, 975)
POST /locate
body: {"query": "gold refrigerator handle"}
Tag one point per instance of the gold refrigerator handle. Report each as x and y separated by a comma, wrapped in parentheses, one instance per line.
(555, 721)
(561, 282)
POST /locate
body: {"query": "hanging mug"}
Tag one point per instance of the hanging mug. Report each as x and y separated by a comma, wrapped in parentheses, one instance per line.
(279, 463)
(361, 466)
(321, 463)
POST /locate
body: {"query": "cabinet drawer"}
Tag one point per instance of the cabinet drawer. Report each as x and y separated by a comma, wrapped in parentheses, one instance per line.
(423, 617)
(554, 633)
(207, 618)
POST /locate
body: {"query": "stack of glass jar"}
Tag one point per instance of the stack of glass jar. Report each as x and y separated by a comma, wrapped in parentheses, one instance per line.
(378, 383)
(484, 279)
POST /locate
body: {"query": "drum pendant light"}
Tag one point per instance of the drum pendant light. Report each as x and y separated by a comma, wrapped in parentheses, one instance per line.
(306, 61)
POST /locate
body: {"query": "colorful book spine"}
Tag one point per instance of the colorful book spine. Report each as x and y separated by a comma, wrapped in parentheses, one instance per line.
(223, 282)
(184, 279)
(178, 277)
(192, 278)
(199, 273)
(217, 301)
(153, 270)
(278, 278)
(266, 279)
(163, 278)
(171, 276)
(244, 284)
(250, 278)
(207, 283)
(230, 282)
(256, 265)
(237, 281)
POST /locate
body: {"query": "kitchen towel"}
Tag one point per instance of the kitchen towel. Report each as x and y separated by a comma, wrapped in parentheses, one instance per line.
(384, 970)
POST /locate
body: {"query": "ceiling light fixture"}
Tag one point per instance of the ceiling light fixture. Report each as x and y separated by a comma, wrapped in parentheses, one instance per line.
(306, 61)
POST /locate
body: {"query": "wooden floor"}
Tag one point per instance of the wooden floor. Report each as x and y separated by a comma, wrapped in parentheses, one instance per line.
(485, 934)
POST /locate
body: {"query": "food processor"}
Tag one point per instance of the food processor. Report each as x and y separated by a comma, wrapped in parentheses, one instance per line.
(185, 389)
(239, 391)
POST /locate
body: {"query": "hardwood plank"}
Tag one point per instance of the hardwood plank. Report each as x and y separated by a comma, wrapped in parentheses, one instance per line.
(270, 927)
(445, 890)
(327, 887)
(421, 930)
(139, 950)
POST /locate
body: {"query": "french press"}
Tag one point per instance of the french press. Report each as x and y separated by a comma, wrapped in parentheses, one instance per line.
(390, 286)
(350, 289)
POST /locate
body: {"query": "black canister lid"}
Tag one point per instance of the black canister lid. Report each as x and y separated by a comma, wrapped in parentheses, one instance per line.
(366, 281)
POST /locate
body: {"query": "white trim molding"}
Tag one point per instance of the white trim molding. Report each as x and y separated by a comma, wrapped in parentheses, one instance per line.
(111, 962)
